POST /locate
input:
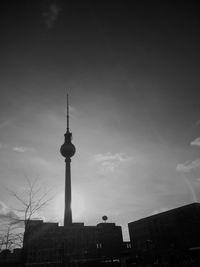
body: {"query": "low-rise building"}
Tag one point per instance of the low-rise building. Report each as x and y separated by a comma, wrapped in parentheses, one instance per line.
(10, 258)
(53, 245)
(170, 232)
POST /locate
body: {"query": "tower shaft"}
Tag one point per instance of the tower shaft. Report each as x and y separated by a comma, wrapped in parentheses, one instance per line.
(68, 210)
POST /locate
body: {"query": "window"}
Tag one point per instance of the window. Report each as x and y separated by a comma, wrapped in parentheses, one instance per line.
(99, 245)
(128, 245)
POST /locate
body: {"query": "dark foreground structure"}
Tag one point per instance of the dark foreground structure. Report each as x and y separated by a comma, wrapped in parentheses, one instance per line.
(11, 259)
(170, 238)
(47, 244)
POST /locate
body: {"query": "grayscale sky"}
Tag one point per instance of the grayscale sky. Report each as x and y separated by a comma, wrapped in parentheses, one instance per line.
(132, 74)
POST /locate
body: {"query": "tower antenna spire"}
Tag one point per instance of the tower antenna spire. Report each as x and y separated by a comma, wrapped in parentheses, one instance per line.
(67, 113)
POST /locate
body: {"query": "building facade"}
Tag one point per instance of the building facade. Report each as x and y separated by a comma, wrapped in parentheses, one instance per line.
(172, 232)
(48, 244)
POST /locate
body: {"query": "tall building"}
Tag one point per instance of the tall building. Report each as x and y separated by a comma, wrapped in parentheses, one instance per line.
(74, 244)
(67, 150)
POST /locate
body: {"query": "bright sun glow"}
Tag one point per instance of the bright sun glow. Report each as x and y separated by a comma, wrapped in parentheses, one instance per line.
(78, 206)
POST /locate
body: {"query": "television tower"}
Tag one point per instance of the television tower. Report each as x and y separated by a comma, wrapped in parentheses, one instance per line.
(67, 150)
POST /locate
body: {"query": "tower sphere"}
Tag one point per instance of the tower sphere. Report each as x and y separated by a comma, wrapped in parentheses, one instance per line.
(67, 150)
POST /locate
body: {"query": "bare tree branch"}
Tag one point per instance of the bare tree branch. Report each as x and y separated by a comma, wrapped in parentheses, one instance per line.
(9, 239)
(31, 201)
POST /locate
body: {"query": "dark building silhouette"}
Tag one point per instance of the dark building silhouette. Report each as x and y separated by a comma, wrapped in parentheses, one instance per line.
(74, 244)
(175, 231)
(10, 258)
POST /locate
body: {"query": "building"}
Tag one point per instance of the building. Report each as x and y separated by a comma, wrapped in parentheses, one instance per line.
(48, 243)
(174, 231)
(10, 258)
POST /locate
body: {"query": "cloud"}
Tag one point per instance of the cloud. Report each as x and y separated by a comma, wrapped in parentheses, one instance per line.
(188, 166)
(3, 207)
(51, 15)
(19, 149)
(118, 157)
(109, 162)
(7, 215)
(190, 172)
(195, 142)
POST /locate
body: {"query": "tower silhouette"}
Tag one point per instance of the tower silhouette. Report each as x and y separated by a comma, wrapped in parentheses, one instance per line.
(76, 243)
(67, 150)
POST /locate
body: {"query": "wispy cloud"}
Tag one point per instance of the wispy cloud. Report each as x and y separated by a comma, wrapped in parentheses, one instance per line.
(188, 166)
(109, 161)
(3, 207)
(51, 14)
(195, 142)
(7, 215)
(21, 149)
(190, 171)
(118, 157)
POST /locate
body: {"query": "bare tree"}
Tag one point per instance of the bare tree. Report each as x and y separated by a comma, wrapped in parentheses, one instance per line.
(10, 238)
(29, 202)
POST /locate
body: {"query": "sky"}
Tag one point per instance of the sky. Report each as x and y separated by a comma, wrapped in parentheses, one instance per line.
(132, 75)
